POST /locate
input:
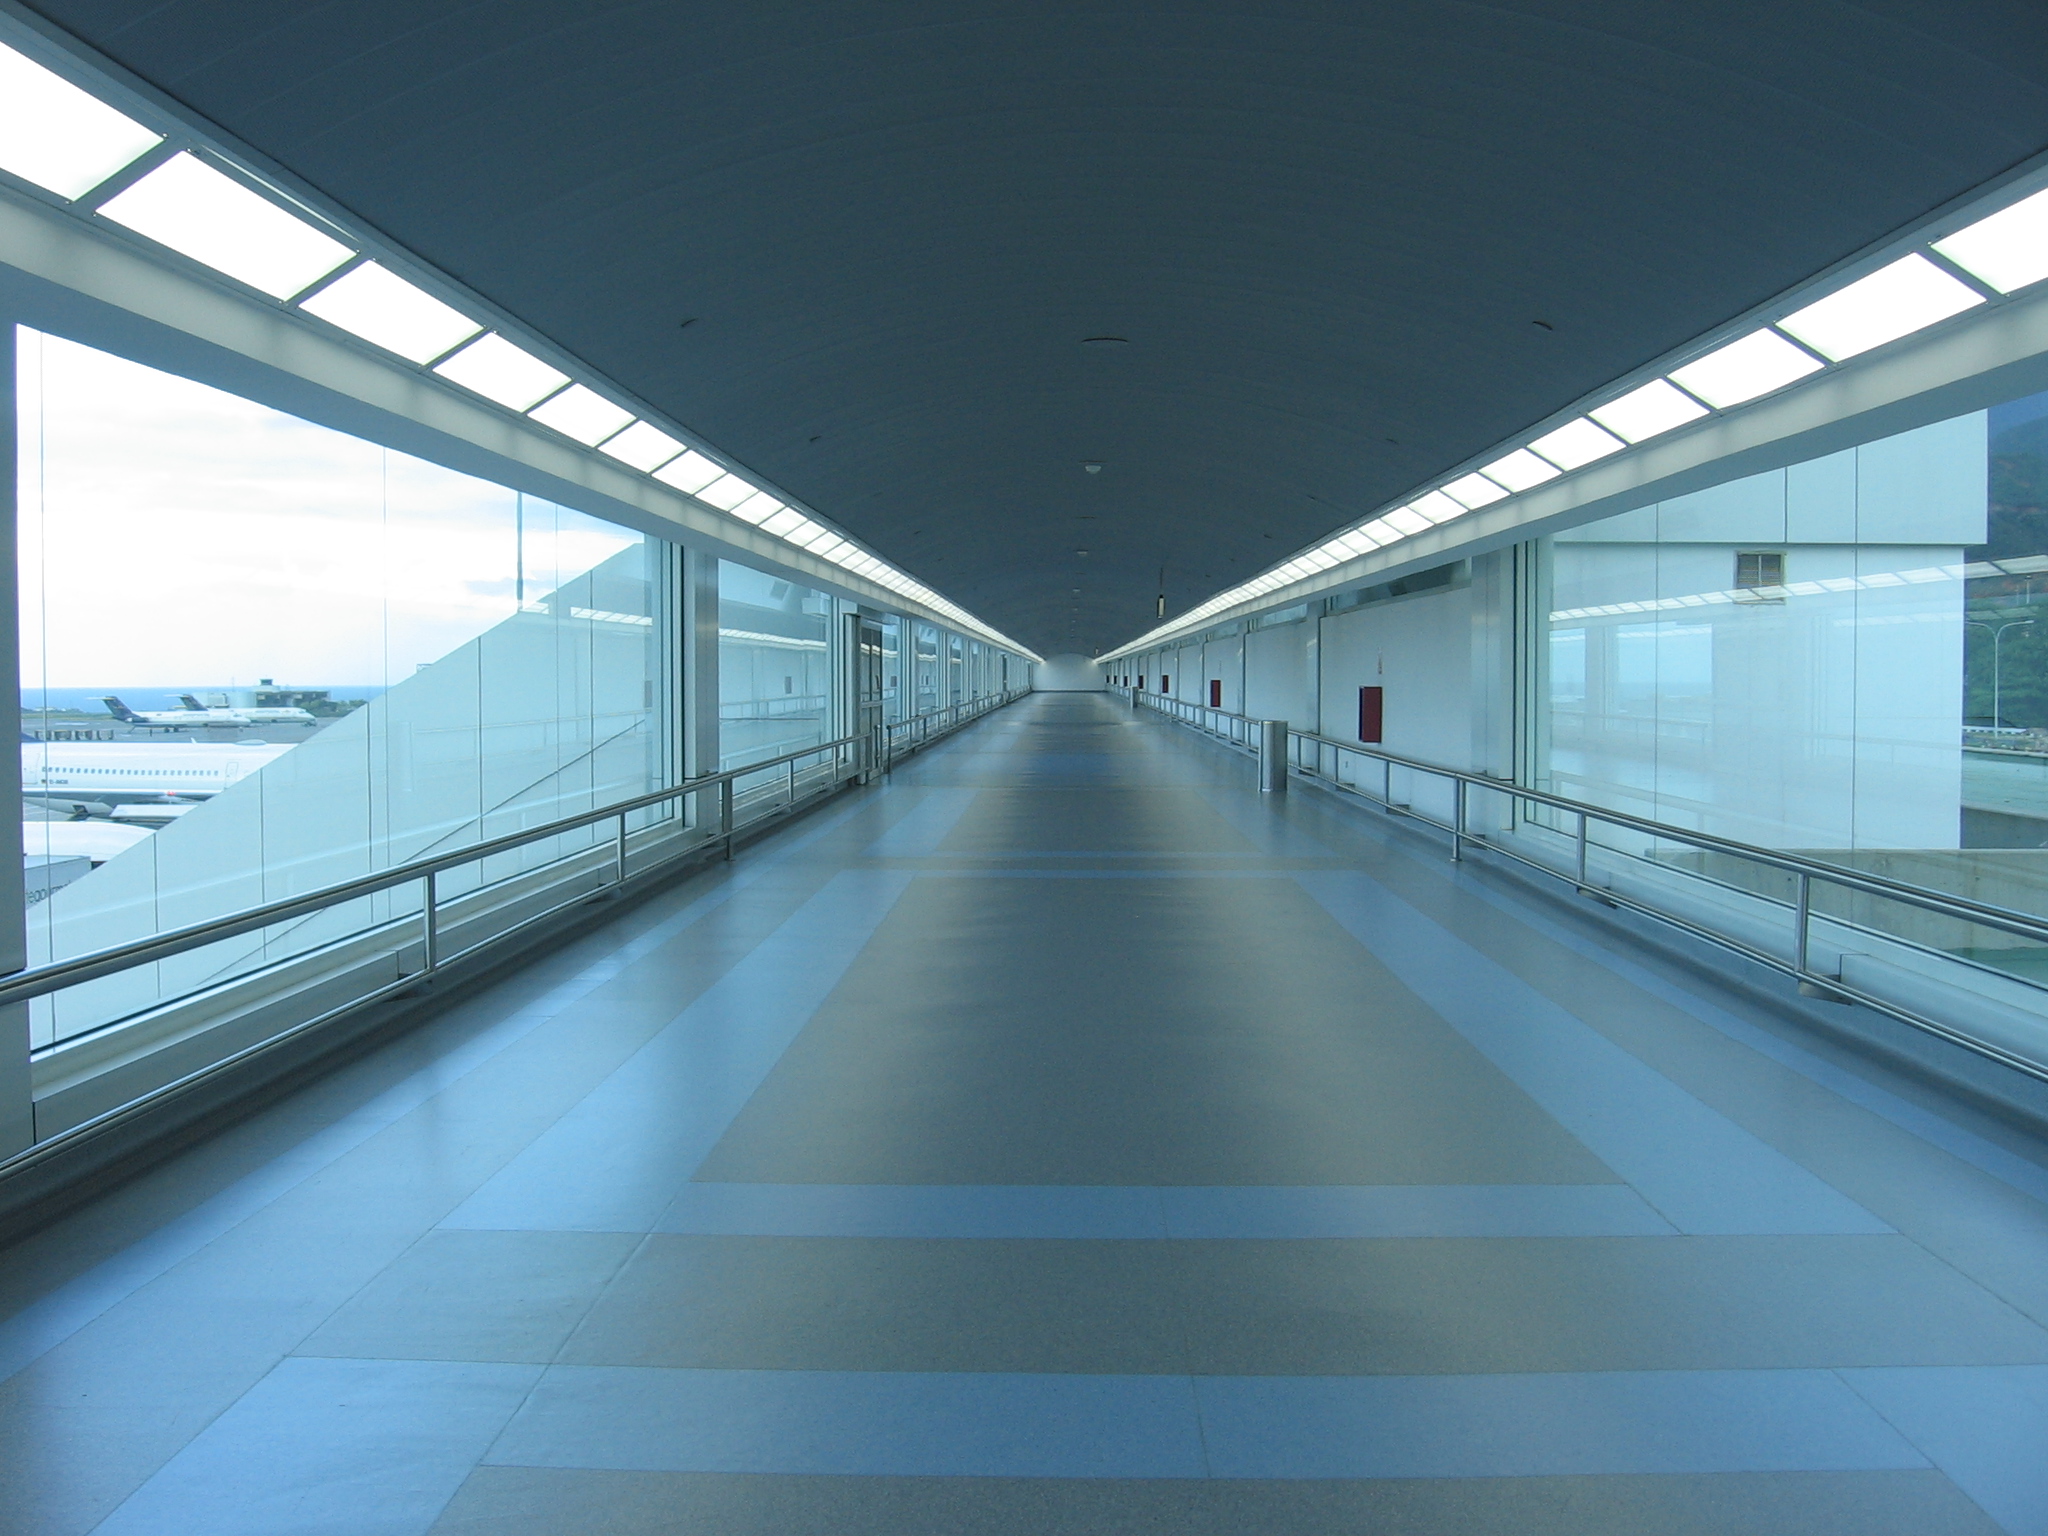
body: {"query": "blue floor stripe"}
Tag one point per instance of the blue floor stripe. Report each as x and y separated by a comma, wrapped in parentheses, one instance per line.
(924, 828)
(1087, 1211)
(337, 1446)
(915, 1424)
(1698, 1168)
(868, 1423)
(1986, 1426)
(613, 1163)
(2007, 1167)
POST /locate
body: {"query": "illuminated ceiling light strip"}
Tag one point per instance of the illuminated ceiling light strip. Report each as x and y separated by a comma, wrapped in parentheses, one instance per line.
(1434, 508)
(2009, 250)
(1746, 369)
(502, 373)
(581, 414)
(190, 207)
(1520, 470)
(1648, 411)
(58, 136)
(1577, 444)
(1474, 491)
(643, 445)
(1908, 295)
(376, 304)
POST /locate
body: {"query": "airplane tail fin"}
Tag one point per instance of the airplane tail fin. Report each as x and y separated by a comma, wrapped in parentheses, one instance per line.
(119, 710)
(190, 701)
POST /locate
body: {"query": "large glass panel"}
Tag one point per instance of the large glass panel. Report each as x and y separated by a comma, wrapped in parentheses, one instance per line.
(260, 657)
(926, 664)
(773, 678)
(1777, 660)
(894, 694)
(1845, 659)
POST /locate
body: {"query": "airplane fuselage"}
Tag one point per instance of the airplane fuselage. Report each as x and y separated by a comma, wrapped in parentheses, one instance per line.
(121, 772)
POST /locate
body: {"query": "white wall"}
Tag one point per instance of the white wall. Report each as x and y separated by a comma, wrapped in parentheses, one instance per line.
(1279, 674)
(1419, 650)
(1072, 673)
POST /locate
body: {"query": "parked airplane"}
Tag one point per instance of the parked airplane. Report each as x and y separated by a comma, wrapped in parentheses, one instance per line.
(69, 773)
(259, 714)
(174, 719)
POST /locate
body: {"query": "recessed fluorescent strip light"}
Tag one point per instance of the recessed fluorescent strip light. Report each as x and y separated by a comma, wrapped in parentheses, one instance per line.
(61, 138)
(504, 374)
(1577, 444)
(2009, 250)
(757, 508)
(1757, 364)
(689, 474)
(643, 445)
(1897, 300)
(1520, 470)
(582, 414)
(1644, 413)
(783, 522)
(1407, 520)
(1434, 508)
(383, 308)
(209, 216)
(727, 493)
(1474, 491)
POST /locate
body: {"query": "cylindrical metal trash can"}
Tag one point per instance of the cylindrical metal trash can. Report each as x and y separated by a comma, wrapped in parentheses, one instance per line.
(1273, 757)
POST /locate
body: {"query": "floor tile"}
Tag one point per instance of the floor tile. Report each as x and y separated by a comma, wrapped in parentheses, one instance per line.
(331, 1448)
(457, 1295)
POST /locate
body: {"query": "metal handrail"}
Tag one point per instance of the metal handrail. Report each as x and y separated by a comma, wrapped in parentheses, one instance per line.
(1804, 870)
(56, 976)
(1941, 902)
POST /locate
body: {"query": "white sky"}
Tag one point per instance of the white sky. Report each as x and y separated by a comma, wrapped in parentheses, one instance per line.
(172, 534)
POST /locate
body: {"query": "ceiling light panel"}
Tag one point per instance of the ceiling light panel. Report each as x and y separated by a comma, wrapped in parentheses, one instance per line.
(378, 305)
(642, 445)
(726, 493)
(757, 508)
(782, 522)
(1577, 444)
(502, 373)
(1520, 470)
(1474, 491)
(1408, 521)
(1434, 508)
(2009, 250)
(689, 474)
(209, 216)
(1743, 370)
(63, 139)
(1648, 412)
(582, 414)
(1909, 295)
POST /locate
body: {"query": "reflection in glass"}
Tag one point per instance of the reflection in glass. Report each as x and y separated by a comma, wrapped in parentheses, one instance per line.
(476, 661)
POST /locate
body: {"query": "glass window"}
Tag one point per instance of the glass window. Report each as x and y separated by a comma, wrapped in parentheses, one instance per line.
(1779, 659)
(774, 691)
(260, 656)
(926, 663)
(894, 693)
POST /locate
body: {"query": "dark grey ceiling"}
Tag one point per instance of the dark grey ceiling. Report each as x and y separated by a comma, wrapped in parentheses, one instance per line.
(1328, 230)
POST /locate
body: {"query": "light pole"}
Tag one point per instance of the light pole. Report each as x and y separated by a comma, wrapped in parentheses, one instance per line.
(1997, 635)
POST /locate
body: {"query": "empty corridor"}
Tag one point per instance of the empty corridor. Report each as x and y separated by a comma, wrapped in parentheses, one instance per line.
(1061, 1138)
